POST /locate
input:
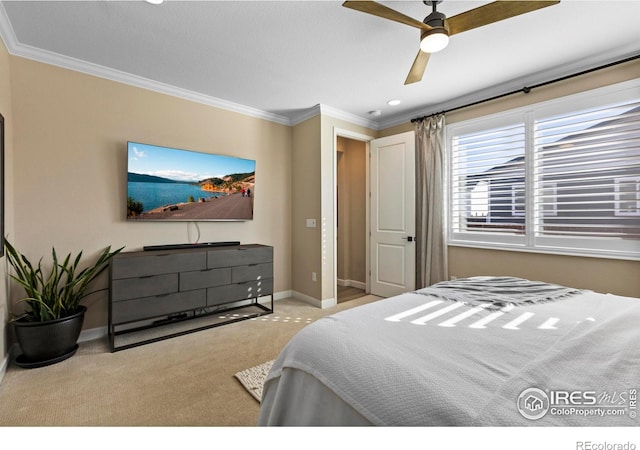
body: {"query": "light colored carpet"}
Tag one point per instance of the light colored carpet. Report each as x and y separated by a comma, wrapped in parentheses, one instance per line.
(253, 378)
(183, 381)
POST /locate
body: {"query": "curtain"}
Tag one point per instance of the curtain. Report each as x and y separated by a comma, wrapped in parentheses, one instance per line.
(431, 249)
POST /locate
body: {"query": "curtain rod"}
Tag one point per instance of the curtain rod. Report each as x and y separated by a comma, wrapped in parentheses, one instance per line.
(528, 89)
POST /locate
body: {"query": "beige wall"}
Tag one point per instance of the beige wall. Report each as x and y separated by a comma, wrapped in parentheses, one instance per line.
(66, 156)
(6, 111)
(352, 223)
(602, 275)
(70, 164)
(397, 129)
(314, 181)
(306, 242)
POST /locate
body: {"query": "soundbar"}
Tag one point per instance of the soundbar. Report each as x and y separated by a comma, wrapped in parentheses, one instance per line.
(195, 245)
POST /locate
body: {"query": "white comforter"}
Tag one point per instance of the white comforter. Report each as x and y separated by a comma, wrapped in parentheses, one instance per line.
(417, 360)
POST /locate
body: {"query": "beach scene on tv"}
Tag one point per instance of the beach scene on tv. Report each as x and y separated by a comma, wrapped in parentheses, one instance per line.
(172, 184)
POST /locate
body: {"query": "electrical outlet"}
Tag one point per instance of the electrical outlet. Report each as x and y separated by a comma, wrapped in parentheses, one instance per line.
(313, 276)
(311, 223)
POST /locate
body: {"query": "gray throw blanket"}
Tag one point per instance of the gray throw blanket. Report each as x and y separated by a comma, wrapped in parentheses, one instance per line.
(498, 291)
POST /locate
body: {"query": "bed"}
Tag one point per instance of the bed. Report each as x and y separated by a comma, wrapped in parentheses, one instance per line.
(480, 351)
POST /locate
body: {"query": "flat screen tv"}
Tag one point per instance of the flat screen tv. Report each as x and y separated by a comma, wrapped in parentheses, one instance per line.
(171, 184)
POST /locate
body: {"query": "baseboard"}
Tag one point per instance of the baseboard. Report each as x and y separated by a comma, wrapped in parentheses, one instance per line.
(326, 303)
(12, 352)
(103, 332)
(92, 334)
(358, 284)
(282, 295)
(4, 365)
(352, 283)
(307, 299)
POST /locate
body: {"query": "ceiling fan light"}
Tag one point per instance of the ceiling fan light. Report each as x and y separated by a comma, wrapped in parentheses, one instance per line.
(434, 40)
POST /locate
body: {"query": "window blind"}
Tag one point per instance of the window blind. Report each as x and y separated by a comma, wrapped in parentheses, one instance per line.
(558, 177)
(587, 171)
(488, 169)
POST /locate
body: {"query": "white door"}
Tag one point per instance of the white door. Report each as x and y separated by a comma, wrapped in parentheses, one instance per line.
(392, 223)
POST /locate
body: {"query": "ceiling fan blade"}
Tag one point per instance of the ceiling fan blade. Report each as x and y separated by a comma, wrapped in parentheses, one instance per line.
(418, 67)
(377, 9)
(493, 12)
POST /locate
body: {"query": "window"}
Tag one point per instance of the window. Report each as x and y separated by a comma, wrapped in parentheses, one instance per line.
(560, 177)
(627, 196)
(549, 201)
(486, 166)
(479, 200)
(517, 199)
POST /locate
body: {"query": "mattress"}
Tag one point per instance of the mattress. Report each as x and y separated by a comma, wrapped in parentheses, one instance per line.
(426, 359)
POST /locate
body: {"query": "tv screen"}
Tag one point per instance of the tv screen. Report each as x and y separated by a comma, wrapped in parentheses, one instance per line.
(170, 184)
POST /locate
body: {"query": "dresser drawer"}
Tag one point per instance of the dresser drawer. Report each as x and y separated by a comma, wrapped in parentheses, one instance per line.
(147, 287)
(251, 272)
(157, 306)
(143, 287)
(241, 291)
(156, 264)
(239, 256)
(205, 278)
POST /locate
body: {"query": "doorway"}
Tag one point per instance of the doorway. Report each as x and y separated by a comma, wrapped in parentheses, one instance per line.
(389, 253)
(351, 218)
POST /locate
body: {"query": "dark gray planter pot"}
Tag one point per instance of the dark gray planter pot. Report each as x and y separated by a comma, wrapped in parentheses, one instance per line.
(45, 343)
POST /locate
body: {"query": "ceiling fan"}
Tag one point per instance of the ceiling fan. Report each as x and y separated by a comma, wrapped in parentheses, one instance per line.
(436, 27)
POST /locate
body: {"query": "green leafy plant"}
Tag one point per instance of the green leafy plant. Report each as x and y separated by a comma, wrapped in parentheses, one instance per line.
(134, 207)
(58, 293)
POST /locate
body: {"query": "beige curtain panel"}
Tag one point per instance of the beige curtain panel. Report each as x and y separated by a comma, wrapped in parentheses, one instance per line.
(431, 248)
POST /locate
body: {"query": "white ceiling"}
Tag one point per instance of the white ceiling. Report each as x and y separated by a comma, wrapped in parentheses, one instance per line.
(279, 59)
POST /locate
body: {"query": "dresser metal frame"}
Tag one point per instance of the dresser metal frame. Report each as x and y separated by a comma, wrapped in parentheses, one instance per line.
(246, 305)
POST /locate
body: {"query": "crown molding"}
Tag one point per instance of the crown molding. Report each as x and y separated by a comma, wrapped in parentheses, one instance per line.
(15, 48)
(544, 77)
(348, 117)
(7, 34)
(306, 115)
(65, 62)
(329, 111)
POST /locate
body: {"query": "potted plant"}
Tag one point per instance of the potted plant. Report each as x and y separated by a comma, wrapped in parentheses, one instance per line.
(49, 328)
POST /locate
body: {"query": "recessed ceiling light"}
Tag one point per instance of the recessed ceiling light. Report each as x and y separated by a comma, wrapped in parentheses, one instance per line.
(375, 112)
(393, 102)
(154, 2)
